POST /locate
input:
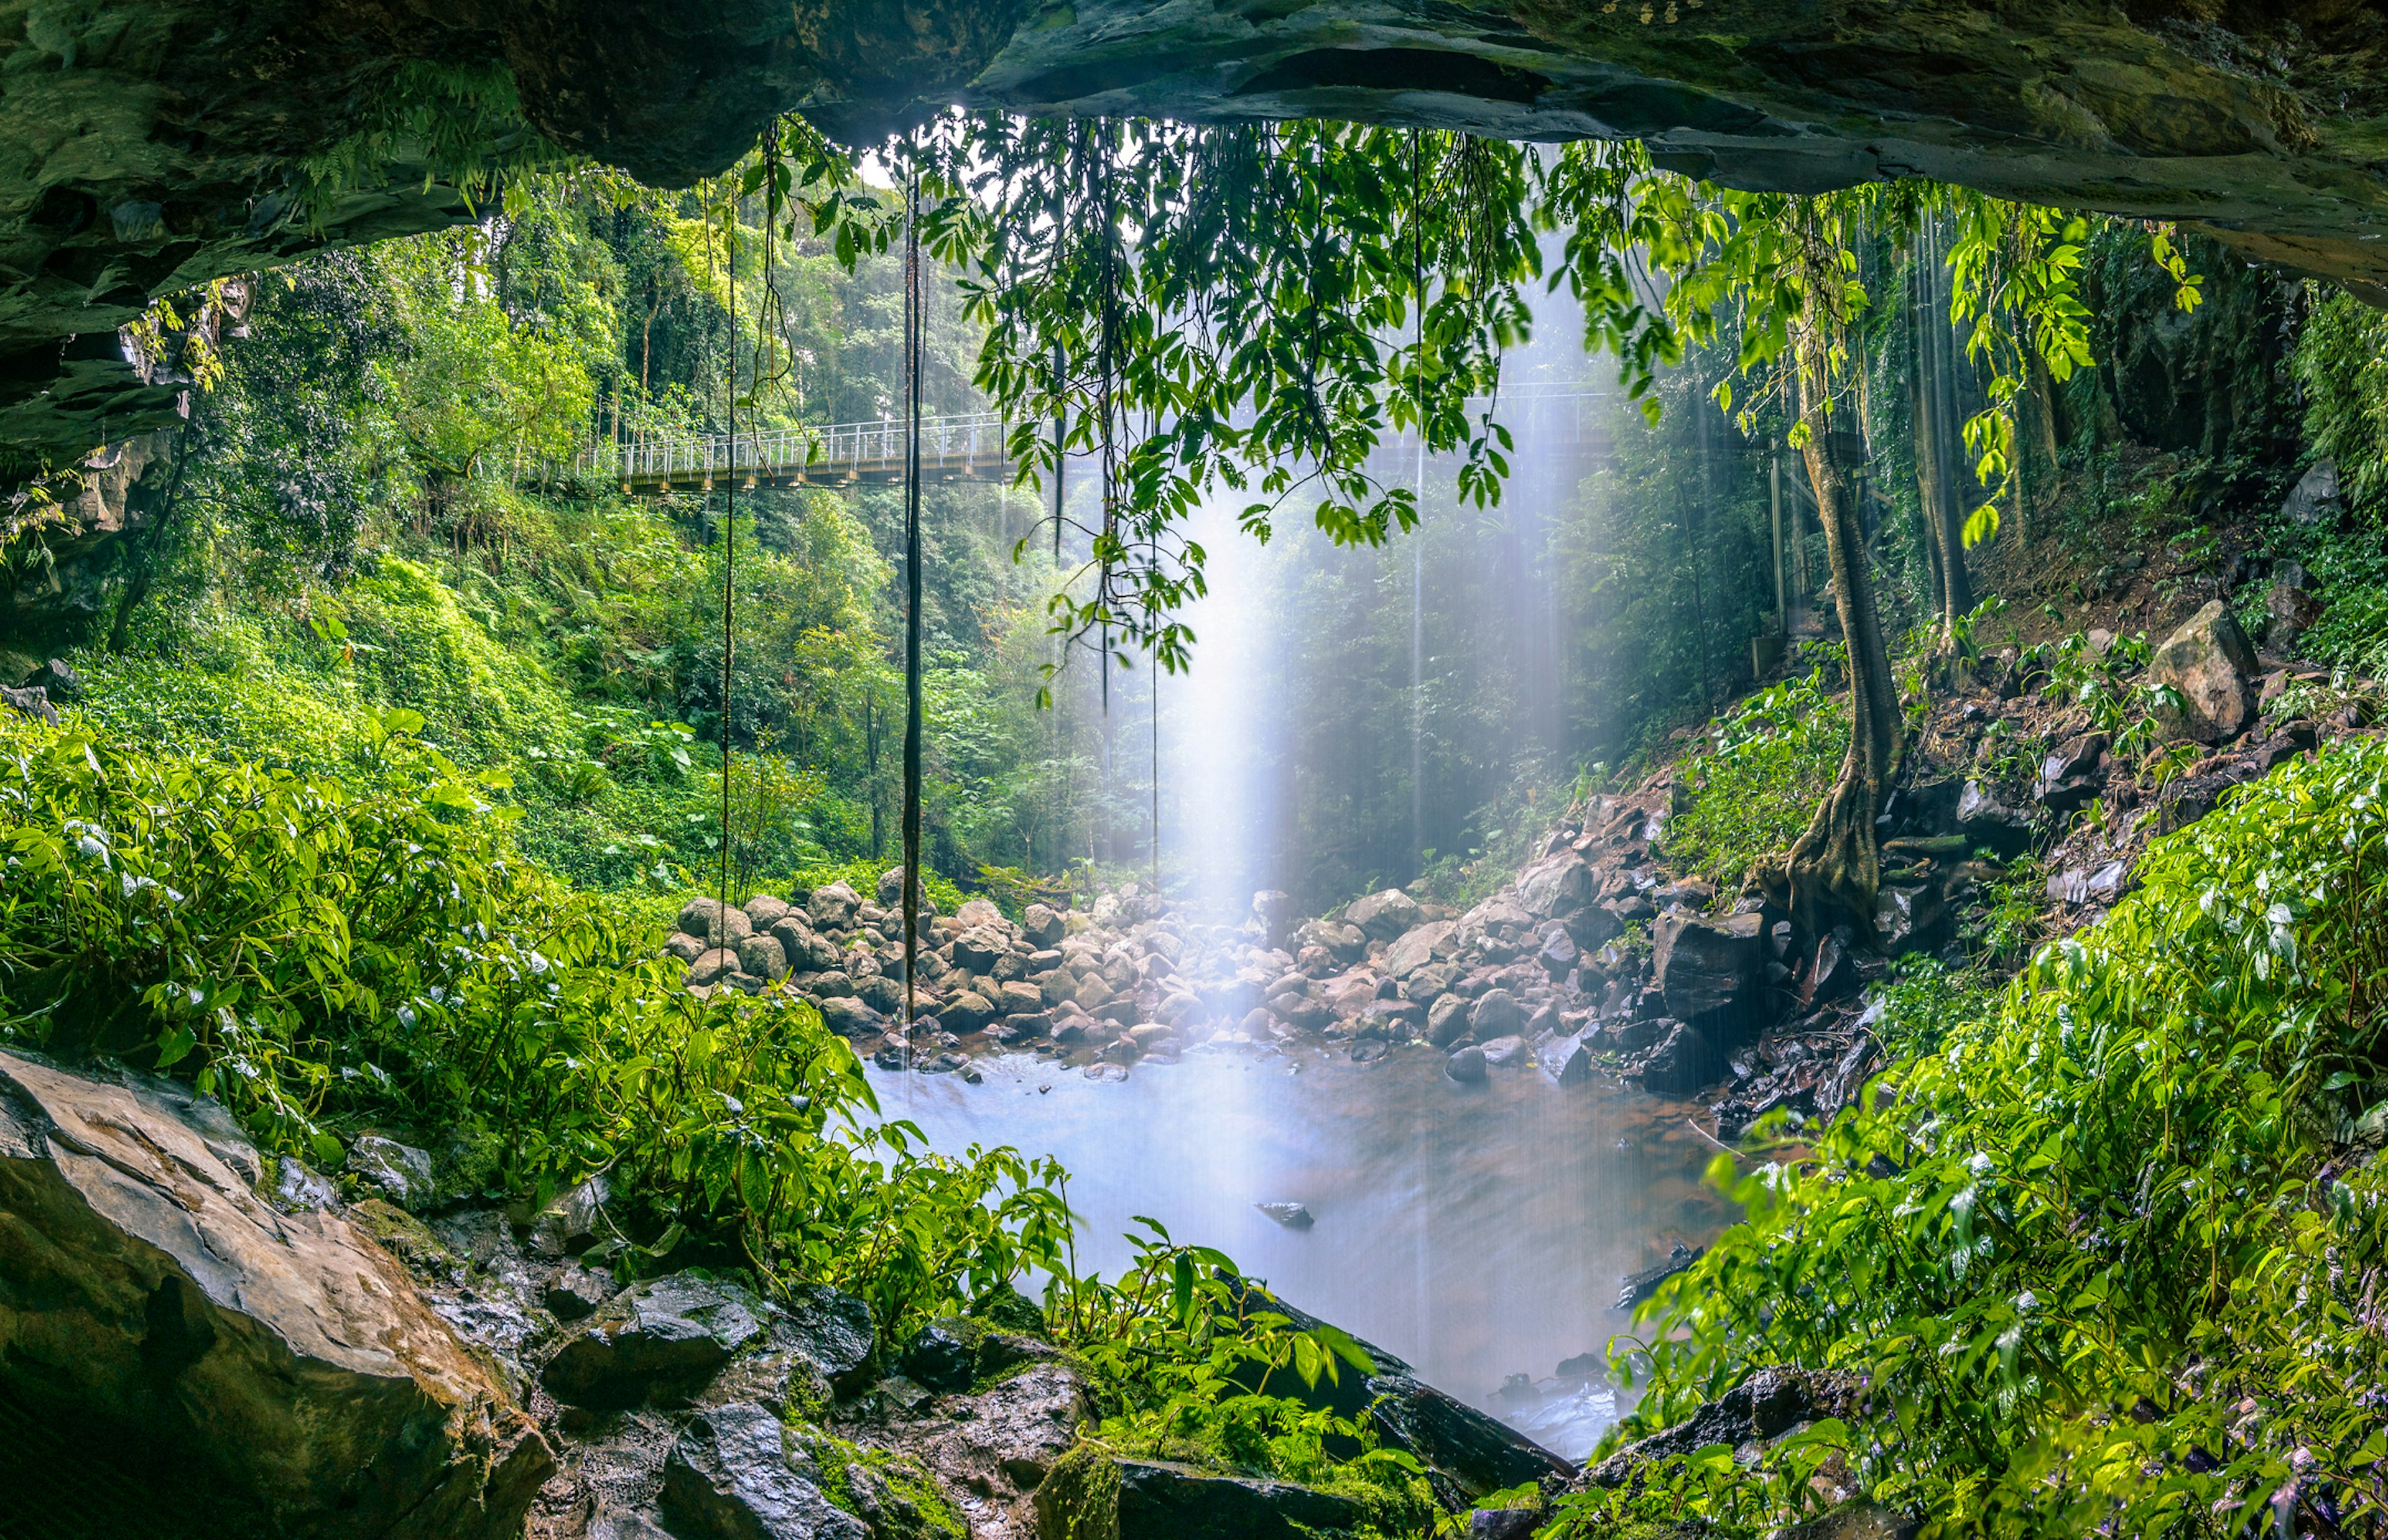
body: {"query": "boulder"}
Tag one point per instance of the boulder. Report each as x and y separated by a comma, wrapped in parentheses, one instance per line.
(400, 1171)
(1680, 1063)
(848, 1016)
(2291, 611)
(729, 1478)
(1382, 916)
(1504, 1050)
(978, 912)
(763, 957)
(1091, 1493)
(1857, 1520)
(29, 702)
(2314, 499)
(1446, 1020)
(1496, 1014)
(1769, 1403)
(1466, 1067)
(2209, 661)
(764, 911)
(282, 1366)
(658, 1344)
(712, 968)
(682, 945)
(61, 684)
(1567, 1061)
(1988, 823)
(720, 926)
(1041, 926)
(1708, 967)
(980, 948)
(834, 905)
(1557, 886)
(576, 1291)
(1559, 954)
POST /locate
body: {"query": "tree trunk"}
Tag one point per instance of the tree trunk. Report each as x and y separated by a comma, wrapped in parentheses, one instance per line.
(1832, 870)
(1934, 433)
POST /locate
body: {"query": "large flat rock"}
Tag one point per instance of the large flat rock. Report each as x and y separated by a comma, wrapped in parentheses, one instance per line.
(282, 1366)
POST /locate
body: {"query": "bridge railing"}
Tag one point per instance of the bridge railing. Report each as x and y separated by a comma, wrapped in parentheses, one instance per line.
(947, 443)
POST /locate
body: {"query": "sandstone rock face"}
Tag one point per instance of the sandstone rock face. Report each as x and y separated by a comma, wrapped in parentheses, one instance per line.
(2209, 661)
(151, 1301)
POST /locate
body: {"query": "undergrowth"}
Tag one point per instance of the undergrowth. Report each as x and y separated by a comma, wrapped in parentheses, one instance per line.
(1770, 761)
(2108, 1256)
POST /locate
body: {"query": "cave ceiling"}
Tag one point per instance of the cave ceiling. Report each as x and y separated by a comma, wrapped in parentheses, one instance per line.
(148, 145)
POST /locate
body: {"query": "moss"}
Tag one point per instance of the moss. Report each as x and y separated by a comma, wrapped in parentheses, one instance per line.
(894, 1493)
(401, 1234)
(1079, 1497)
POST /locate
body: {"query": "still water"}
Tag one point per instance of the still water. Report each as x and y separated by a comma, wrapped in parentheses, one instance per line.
(1478, 1232)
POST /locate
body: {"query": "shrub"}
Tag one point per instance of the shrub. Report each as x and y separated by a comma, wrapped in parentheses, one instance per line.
(1774, 757)
(2093, 1260)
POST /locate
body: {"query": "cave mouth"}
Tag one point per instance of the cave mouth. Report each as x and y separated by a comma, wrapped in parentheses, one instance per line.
(1397, 69)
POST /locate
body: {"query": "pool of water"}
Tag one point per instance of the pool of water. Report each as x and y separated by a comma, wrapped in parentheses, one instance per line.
(1478, 1232)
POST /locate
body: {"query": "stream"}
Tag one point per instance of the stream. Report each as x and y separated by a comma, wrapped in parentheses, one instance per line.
(1478, 1232)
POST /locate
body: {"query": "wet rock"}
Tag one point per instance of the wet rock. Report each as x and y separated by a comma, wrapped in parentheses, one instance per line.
(1504, 1050)
(1559, 954)
(657, 1342)
(1907, 917)
(1382, 916)
(1294, 1216)
(721, 927)
(2209, 661)
(1636, 1287)
(1093, 1494)
(1567, 1061)
(570, 1217)
(284, 1364)
(1766, 1405)
(1706, 967)
(1859, 1520)
(300, 1189)
(730, 1477)
(576, 1291)
(1679, 1064)
(1466, 1067)
(805, 950)
(2290, 611)
(1502, 1524)
(401, 1172)
(1496, 1014)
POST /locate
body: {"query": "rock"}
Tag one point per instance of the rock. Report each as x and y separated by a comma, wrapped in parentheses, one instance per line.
(848, 1017)
(2072, 776)
(1680, 1063)
(1495, 1013)
(61, 684)
(1636, 1287)
(2209, 663)
(1708, 967)
(1829, 973)
(1446, 1020)
(570, 1216)
(1381, 916)
(832, 907)
(2291, 611)
(1504, 1050)
(400, 1171)
(576, 1291)
(300, 1189)
(1417, 946)
(683, 946)
(1094, 1495)
(1502, 1524)
(712, 968)
(1987, 821)
(284, 1364)
(889, 891)
(1559, 954)
(1294, 1216)
(729, 1478)
(29, 702)
(979, 912)
(1466, 1067)
(763, 957)
(723, 928)
(1017, 998)
(2315, 498)
(1557, 886)
(1567, 1061)
(764, 911)
(979, 948)
(657, 1342)
(1859, 1520)
(1766, 1405)
(1041, 926)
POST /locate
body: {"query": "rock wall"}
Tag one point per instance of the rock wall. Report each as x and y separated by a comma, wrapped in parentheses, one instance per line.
(157, 143)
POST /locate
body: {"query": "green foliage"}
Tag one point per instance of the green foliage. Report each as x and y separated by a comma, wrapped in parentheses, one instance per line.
(328, 954)
(2090, 1259)
(1772, 759)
